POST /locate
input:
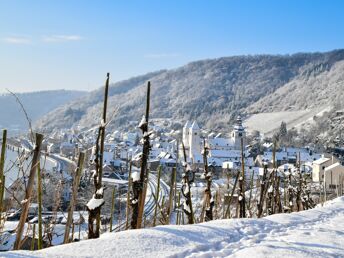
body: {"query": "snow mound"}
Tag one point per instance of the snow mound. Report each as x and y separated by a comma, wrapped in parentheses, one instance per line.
(312, 233)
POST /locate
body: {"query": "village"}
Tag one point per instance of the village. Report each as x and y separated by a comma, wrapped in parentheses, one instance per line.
(224, 152)
(195, 175)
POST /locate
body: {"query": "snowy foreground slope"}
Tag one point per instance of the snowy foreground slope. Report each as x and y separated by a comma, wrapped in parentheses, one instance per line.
(314, 233)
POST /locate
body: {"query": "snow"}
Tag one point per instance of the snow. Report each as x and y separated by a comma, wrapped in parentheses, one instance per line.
(186, 189)
(142, 122)
(267, 123)
(312, 233)
(186, 207)
(102, 123)
(23, 201)
(135, 176)
(100, 191)
(94, 203)
(94, 150)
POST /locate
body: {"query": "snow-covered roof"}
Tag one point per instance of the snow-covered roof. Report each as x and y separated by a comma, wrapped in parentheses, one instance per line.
(320, 161)
(224, 153)
(282, 155)
(267, 144)
(333, 166)
(194, 126)
(214, 162)
(211, 135)
(220, 142)
(169, 161)
(187, 124)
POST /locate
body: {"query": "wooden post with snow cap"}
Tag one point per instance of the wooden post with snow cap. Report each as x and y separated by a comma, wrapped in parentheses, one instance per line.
(97, 201)
(29, 188)
(139, 193)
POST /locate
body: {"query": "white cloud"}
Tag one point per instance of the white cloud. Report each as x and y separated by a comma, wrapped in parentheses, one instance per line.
(17, 40)
(161, 55)
(61, 38)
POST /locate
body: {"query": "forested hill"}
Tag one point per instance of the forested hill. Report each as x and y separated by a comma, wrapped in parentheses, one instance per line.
(213, 91)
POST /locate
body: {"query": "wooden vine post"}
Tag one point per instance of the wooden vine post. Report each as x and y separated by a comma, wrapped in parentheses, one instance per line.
(72, 203)
(28, 193)
(262, 191)
(139, 188)
(39, 197)
(2, 176)
(112, 207)
(157, 197)
(186, 190)
(128, 197)
(228, 211)
(207, 212)
(172, 193)
(97, 201)
(242, 199)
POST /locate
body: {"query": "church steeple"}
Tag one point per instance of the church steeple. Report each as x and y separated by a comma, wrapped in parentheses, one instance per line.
(238, 126)
(195, 139)
(186, 136)
(238, 132)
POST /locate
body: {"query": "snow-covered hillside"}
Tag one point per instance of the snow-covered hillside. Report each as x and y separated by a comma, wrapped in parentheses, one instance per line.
(267, 123)
(313, 233)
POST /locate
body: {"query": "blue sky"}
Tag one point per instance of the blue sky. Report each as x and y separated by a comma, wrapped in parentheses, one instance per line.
(72, 44)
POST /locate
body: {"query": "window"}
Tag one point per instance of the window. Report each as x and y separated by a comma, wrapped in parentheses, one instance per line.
(332, 186)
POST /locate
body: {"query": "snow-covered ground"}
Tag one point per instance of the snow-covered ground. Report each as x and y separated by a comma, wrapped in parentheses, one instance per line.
(313, 233)
(268, 122)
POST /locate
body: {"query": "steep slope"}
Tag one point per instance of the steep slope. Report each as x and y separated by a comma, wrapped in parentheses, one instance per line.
(317, 89)
(211, 91)
(320, 85)
(36, 105)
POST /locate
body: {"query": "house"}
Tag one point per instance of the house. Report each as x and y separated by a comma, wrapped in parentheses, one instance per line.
(287, 156)
(318, 168)
(334, 177)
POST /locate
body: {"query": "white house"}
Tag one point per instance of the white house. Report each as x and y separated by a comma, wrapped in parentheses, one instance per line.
(333, 177)
(318, 168)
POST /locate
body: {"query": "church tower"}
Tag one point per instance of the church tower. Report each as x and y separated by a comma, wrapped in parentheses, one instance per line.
(194, 139)
(238, 133)
(186, 134)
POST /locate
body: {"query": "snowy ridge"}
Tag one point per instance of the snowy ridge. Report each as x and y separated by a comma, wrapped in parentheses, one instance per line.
(312, 233)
